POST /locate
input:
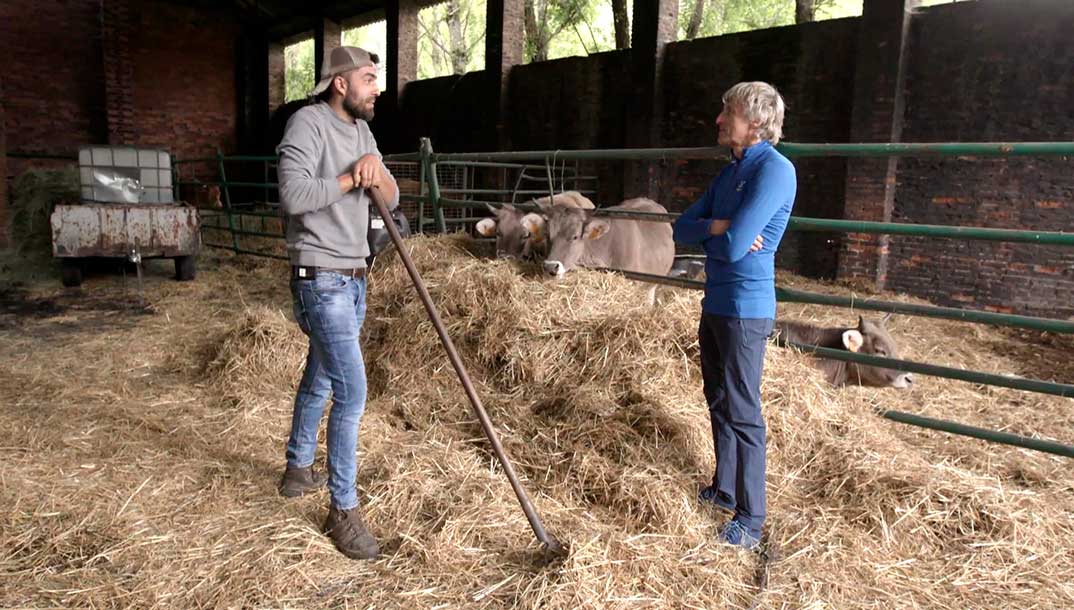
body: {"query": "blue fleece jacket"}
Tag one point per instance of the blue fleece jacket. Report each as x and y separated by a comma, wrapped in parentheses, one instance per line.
(756, 194)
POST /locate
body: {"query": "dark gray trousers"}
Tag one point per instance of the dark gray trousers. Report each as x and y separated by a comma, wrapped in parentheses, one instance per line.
(732, 360)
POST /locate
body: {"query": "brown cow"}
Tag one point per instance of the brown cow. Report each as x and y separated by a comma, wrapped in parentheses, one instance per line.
(517, 241)
(868, 338)
(579, 240)
(206, 196)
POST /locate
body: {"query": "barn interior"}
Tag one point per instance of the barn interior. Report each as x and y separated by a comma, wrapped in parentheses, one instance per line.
(145, 418)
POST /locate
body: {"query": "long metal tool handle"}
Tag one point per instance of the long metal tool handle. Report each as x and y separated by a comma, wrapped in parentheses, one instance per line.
(547, 539)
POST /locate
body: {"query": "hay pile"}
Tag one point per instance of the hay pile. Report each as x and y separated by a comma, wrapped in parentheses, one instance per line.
(151, 481)
(34, 194)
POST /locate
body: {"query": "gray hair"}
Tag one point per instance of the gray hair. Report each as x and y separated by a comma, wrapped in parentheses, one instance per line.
(760, 103)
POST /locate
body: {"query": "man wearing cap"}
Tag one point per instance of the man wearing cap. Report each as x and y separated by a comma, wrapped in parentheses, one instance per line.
(329, 170)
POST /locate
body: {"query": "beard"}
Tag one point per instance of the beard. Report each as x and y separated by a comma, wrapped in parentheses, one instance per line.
(362, 108)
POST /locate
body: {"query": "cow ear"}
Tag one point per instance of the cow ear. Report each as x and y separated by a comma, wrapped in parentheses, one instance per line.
(861, 322)
(596, 228)
(853, 340)
(486, 227)
(534, 223)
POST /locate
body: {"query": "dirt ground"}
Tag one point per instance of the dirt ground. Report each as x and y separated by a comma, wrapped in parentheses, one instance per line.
(144, 428)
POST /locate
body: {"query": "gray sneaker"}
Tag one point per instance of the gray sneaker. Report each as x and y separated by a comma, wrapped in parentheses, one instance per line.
(297, 481)
(349, 534)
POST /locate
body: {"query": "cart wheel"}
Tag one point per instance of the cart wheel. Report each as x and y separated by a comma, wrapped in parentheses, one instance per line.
(185, 269)
(71, 272)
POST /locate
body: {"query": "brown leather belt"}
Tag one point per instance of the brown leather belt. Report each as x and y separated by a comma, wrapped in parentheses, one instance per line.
(308, 272)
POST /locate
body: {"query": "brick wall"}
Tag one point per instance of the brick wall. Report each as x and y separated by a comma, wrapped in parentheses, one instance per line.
(878, 110)
(53, 91)
(989, 71)
(175, 87)
(457, 112)
(3, 172)
(184, 93)
(140, 72)
(574, 103)
(53, 96)
(277, 78)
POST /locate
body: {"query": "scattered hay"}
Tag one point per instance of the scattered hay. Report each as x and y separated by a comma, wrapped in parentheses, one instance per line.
(261, 355)
(145, 476)
(34, 193)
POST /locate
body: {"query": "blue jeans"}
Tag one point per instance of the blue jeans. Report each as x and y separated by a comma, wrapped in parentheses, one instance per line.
(330, 309)
(732, 360)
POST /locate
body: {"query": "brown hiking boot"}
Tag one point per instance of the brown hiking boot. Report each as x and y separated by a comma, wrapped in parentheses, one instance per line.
(348, 532)
(297, 481)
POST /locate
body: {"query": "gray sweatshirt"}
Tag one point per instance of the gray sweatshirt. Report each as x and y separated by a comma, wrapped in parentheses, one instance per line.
(325, 227)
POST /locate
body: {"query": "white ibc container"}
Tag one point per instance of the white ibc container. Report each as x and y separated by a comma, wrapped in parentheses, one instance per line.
(124, 174)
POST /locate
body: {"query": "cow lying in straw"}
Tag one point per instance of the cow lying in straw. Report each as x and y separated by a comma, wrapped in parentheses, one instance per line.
(868, 338)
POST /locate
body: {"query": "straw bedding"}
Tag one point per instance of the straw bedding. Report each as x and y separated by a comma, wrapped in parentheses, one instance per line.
(142, 456)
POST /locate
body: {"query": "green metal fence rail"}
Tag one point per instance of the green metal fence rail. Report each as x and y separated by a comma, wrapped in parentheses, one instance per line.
(223, 184)
(1052, 238)
(956, 149)
(1016, 383)
(429, 164)
(245, 251)
(242, 231)
(964, 149)
(22, 154)
(789, 295)
(995, 436)
(227, 200)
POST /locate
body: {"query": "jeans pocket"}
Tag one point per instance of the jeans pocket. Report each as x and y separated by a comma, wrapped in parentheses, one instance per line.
(326, 288)
(298, 305)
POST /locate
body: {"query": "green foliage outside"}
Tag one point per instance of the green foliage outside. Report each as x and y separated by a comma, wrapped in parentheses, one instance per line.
(451, 38)
(592, 32)
(372, 38)
(298, 70)
(300, 75)
(451, 35)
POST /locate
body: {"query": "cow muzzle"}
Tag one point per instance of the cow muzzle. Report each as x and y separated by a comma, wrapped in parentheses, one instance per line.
(554, 268)
(903, 382)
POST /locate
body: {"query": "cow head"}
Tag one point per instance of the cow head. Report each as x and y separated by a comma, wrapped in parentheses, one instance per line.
(873, 339)
(570, 232)
(515, 239)
(206, 196)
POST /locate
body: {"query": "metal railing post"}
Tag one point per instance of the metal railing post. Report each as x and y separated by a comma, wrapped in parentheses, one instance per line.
(225, 191)
(422, 193)
(434, 184)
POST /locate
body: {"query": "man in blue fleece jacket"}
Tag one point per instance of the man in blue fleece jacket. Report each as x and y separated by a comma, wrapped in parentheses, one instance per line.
(739, 222)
